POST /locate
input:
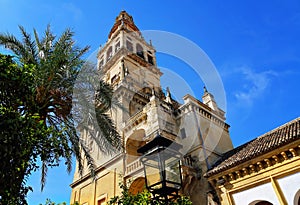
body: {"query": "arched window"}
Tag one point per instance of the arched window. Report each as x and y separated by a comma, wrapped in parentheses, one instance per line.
(297, 198)
(150, 59)
(117, 46)
(260, 202)
(263, 203)
(137, 186)
(134, 141)
(129, 46)
(109, 53)
(139, 50)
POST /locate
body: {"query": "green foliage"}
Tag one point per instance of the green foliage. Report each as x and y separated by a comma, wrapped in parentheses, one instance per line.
(143, 198)
(19, 130)
(36, 123)
(49, 202)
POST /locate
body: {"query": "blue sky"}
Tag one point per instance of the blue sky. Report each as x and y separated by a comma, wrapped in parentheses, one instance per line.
(254, 45)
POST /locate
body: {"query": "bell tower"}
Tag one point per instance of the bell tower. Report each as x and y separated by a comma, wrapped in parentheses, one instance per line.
(128, 63)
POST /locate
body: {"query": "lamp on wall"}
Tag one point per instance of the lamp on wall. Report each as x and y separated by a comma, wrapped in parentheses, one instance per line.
(161, 160)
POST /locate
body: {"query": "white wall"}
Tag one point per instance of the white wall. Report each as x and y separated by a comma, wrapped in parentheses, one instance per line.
(262, 192)
(289, 186)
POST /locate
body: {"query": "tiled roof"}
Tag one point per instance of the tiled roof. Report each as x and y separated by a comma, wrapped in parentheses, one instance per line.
(265, 143)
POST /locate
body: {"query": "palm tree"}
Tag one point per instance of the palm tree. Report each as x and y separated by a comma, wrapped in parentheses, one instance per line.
(57, 62)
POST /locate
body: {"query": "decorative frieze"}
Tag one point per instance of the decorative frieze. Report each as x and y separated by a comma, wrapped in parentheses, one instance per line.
(258, 166)
(293, 151)
(269, 163)
(238, 174)
(245, 171)
(284, 155)
(252, 168)
(275, 157)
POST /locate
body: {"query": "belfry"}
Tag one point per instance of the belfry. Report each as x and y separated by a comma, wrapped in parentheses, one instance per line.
(128, 63)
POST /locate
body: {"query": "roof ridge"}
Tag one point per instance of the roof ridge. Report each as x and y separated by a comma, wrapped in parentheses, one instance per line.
(267, 142)
(279, 127)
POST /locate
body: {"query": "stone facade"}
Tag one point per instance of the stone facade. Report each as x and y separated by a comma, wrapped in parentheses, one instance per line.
(128, 63)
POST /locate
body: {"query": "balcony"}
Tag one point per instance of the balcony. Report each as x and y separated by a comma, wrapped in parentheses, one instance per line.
(134, 166)
(135, 120)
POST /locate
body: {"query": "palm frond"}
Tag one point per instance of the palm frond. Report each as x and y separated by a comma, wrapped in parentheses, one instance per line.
(89, 159)
(30, 46)
(74, 140)
(12, 43)
(37, 40)
(108, 132)
(44, 174)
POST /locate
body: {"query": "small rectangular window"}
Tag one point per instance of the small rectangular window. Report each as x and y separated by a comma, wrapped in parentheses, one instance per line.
(101, 202)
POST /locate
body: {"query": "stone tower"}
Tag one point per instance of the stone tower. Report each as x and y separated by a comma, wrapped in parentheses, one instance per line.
(128, 63)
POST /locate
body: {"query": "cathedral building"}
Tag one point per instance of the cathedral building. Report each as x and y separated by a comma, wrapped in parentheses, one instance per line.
(128, 63)
(264, 171)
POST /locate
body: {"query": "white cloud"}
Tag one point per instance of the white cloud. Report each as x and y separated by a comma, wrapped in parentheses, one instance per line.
(254, 85)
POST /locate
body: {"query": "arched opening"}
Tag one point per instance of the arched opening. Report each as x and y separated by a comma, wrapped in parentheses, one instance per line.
(137, 186)
(139, 51)
(129, 46)
(150, 58)
(263, 203)
(109, 53)
(134, 142)
(297, 198)
(260, 202)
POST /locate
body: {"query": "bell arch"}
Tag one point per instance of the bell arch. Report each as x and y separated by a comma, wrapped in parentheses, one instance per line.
(134, 141)
(260, 202)
(137, 186)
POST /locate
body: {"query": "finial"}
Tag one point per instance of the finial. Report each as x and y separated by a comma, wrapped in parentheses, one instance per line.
(168, 92)
(150, 42)
(205, 90)
(153, 91)
(168, 97)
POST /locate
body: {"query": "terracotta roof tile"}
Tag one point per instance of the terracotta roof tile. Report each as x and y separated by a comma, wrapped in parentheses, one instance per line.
(267, 142)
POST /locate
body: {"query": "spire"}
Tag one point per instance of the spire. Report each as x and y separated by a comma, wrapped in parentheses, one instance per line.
(123, 22)
(209, 100)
